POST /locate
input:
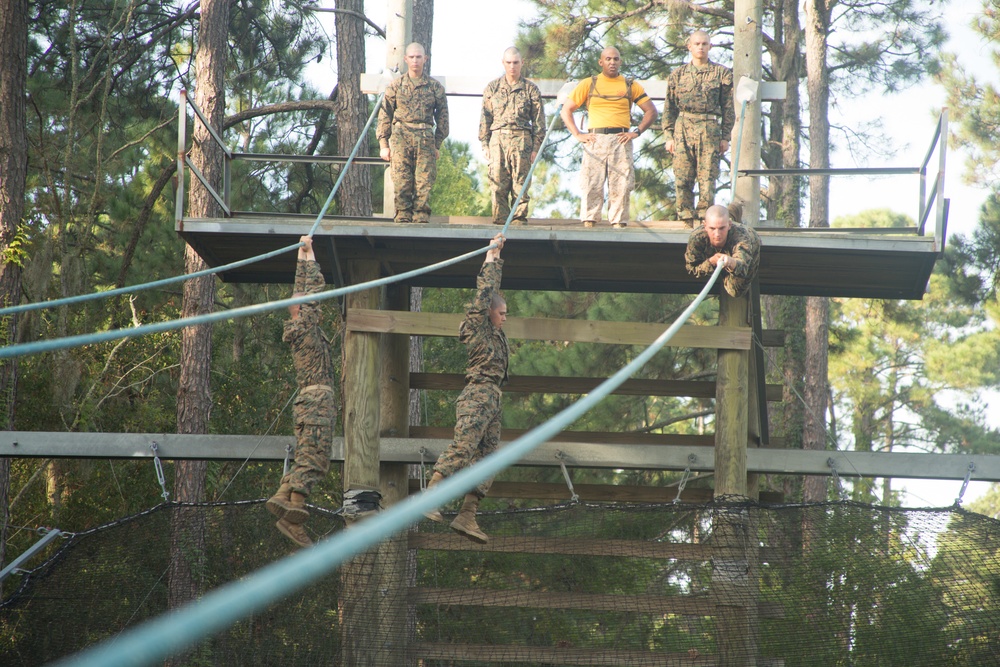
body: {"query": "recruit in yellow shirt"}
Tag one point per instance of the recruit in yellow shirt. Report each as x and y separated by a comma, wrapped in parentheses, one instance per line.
(609, 105)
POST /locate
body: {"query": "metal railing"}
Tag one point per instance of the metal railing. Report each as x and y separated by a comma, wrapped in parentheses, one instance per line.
(934, 201)
(225, 197)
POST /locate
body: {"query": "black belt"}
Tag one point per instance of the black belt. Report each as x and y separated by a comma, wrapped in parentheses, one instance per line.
(607, 130)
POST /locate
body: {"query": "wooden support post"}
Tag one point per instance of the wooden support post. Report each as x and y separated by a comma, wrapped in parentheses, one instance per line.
(734, 579)
(396, 627)
(359, 603)
(731, 406)
(398, 29)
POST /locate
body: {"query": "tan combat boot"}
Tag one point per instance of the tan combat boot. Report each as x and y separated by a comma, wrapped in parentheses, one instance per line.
(435, 515)
(295, 532)
(288, 505)
(465, 522)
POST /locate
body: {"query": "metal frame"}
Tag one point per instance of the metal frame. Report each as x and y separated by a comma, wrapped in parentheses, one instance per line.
(224, 199)
(926, 204)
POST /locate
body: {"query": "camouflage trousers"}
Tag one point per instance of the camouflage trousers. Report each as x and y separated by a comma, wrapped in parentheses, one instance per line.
(510, 161)
(414, 168)
(696, 158)
(315, 413)
(477, 431)
(606, 160)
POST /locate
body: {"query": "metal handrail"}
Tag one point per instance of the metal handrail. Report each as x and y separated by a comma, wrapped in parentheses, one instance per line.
(926, 202)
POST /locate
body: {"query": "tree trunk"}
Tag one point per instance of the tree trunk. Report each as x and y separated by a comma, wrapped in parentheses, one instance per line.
(423, 33)
(194, 400)
(423, 28)
(355, 195)
(817, 309)
(13, 173)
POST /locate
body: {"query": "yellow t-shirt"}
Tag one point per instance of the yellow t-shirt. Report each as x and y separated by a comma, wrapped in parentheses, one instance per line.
(609, 105)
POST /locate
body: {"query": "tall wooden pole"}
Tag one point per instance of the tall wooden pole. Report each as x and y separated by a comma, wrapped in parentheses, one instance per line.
(359, 605)
(734, 529)
(396, 628)
(398, 31)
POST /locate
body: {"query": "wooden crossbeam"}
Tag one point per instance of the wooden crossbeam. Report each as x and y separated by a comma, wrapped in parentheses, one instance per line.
(568, 546)
(540, 328)
(548, 384)
(602, 492)
(604, 437)
(589, 657)
(472, 86)
(642, 604)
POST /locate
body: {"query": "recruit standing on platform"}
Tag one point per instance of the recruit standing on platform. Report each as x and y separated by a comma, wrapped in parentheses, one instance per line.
(698, 120)
(412, 125)
(511, 129)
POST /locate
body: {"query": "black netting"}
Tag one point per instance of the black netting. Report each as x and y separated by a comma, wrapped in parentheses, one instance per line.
(718, 584)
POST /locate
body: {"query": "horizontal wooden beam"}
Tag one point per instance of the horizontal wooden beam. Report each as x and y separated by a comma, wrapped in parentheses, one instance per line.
(174, 446)
(593, 437)
(472, 86)
(603, 492)
(571, 546)
(641, 604)
(545, 655)
(541, 328)
(548, 384)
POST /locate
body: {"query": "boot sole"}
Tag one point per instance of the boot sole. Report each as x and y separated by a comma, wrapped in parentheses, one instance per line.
(479, 538)
(294, 515)
(284, 531)
(435, 516)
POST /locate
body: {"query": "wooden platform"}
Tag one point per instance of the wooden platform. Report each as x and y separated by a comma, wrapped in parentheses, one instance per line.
(562, 255)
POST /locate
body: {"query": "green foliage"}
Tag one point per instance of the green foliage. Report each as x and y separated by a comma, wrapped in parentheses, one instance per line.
(911, 373)
(457, 190)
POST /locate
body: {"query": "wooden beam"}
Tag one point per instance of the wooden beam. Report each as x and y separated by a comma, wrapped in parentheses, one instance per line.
(472, 86)
(603, 492)
(570, 546)
(642, 604)
(544, 655)
(548, 384)
(509, 434)
(174, 446)
(540, 328)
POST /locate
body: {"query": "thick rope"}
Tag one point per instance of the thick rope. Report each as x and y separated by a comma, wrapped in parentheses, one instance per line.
(37, 347)
(154, 640)
(81, 298)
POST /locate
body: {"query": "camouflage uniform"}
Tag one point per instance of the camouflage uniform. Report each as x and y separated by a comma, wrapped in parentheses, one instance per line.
(477, 412)
(315, 411)
(511, 128)
(414, 119)
(697, 99)
(742, 244)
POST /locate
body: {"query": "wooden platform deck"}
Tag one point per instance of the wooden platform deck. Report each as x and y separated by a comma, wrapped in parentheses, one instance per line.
(561, 255)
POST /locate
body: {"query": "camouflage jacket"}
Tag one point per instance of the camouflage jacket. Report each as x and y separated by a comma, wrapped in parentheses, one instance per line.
(415, 103)
(489, 353)
(742, 244)
(518, 106)
(703, 90)
(310, 346)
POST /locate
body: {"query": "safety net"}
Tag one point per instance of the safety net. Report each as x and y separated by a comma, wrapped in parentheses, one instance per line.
(724, 583)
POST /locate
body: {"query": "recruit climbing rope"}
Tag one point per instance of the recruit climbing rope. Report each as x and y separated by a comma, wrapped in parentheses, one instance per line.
(154, 640)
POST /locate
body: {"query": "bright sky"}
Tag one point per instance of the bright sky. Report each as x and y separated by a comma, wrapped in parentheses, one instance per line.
(462, 47)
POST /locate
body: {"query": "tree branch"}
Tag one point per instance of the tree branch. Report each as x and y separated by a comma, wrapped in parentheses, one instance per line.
(350, 12)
